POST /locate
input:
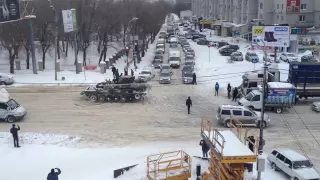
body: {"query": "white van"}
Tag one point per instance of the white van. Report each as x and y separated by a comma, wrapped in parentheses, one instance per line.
(297, 166)
(10, 110)
(174, 58)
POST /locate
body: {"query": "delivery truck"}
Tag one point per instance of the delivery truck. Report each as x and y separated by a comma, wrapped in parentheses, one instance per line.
(278, 97)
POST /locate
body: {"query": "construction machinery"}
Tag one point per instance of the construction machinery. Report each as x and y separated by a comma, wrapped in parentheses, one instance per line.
(174, 165)
(229, 151)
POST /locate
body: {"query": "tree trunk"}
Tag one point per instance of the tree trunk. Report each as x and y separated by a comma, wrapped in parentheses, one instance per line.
(124, 36)
(100, 58)
(44, 59)
(67, 47)
(58, 47)
(11, 59)
(28, 58)
(105, 49)
(99, 47)
(63, 47)
(84, 56)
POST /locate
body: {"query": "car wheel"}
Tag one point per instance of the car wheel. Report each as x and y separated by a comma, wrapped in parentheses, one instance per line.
(137, 96)
(227, 124)
(101, 98)
(93, 98)
(274, 166)
(108, 98)
(116, 98)
(296, 178)
(3, 83)
(123, 99)
(278, 110)
(264, 125)
(11, 119)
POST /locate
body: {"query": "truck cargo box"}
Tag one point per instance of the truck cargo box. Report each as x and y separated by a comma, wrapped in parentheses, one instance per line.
(281, 93)
(300, 73)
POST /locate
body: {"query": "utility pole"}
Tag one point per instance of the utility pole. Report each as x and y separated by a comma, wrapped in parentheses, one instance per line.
(55, 43)
(32, 45)
(261, 140)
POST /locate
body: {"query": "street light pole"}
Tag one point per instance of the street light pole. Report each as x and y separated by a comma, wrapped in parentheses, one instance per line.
(133, 19)
(261, 140)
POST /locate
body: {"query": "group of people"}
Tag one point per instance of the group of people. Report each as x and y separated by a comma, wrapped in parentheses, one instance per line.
(116, 74)
(234, 93)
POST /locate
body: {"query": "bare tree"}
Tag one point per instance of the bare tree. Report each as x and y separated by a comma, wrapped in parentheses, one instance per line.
(25, 41)
(10, 40)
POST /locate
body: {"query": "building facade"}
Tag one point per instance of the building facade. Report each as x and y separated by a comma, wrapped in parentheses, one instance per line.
(296, 13)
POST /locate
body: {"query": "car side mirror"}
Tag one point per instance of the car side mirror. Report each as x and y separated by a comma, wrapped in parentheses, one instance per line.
(8, 108)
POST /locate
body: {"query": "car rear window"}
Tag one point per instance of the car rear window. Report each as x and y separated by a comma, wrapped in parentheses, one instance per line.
(225, 112)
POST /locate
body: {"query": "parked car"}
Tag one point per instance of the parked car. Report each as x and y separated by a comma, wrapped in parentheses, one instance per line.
(236, 56)
(185, 44)
(252, 56)
(188, 68)
(203, 42)
(166, 67)
(189, 63)
(289, 57)
(147, 73)
(292, 163)
(316, 106)
(308, 58)
(189, 55)
(165, 77)
(226, 51)
(160, 47)
(188, 35)
(158, 57)
(190, 51)
(173, 45)
(189, 58)
(243, 115)
(6, 79)
(221, 44)
(232, 46)
(197, 36)
(156, 63)
(159, 52)
(185, 47)
(187, 77)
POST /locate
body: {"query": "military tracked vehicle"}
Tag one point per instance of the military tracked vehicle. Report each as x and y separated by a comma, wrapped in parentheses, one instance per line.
(124, 90)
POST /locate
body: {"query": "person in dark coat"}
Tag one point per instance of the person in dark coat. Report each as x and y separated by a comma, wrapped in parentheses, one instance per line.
(194, 79)
(54, 175)
(114, 71)
(205, 148)
(229, 90)
(235, 94)
(216, 87)
(132, 72)
(189, 104)
(14, 132)
(251, 142)
(125, 71)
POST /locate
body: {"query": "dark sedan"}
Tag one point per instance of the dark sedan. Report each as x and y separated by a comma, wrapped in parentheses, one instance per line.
(226, 51)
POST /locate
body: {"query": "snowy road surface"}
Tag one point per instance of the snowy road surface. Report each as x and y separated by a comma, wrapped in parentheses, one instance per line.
(162, 117)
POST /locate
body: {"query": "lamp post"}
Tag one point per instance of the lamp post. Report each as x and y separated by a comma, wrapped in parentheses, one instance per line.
(261, 140)
(55, 38)
(133, 19)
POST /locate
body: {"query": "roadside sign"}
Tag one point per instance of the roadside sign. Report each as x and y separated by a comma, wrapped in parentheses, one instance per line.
(209, 46)
(207, 21)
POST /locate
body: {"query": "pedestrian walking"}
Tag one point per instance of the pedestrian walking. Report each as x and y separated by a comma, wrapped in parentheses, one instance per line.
(113, 69)
(229, 90)
(125, 71)
(235, 94)
(189, 104)
(205, 148)
(194, 79)
(216, 87)
(54, 175)
(14, 132)
(132, 72)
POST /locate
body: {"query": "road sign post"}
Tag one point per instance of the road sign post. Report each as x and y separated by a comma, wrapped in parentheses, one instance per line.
(209, 46)
(255, 61)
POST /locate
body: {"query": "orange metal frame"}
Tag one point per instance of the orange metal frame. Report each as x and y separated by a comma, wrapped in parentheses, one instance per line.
(174, 165)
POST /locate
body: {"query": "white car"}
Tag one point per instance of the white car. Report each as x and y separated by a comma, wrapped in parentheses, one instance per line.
(147, 74)
(289, 57)
(270, 58)
(6, 79)
(160, 47)
(293, 164)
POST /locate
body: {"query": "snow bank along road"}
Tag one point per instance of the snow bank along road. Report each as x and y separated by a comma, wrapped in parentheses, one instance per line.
(162, 117)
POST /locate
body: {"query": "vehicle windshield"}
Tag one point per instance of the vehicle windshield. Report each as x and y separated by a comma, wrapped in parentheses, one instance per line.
(173, 45)
(188, 75)
(157, 57)
(249, 96)
(156, 61)
(291, 55)
(13, 104)
(165, 67)
(174, 59)
(253, 55)
(160, 46)
(188, 63)
(165, 74)
(145, 72)
(301, 164)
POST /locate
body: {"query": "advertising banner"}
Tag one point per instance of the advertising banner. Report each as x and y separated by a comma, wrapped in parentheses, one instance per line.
(9, 10)
(273, 36)
(293, 6)
(67, 21)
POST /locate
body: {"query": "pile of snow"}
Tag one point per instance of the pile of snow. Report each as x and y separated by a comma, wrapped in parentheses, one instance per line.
(34, 161)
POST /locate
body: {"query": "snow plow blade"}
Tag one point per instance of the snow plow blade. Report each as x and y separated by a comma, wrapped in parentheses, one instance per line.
(119, 172)
(206, 159)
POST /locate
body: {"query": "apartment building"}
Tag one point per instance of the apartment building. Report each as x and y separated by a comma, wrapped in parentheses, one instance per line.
(296, 13)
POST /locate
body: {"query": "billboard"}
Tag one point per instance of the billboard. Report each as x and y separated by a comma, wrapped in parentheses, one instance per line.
(9, 10)
(273, 36)
(293, 6)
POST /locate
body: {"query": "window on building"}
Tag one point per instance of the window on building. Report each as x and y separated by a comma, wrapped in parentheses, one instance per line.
(261, 6)
(302, 18)
(277, 17)
(282, 6)
(277, 6)
(260, 16)
(303, 6)
(282, 18)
